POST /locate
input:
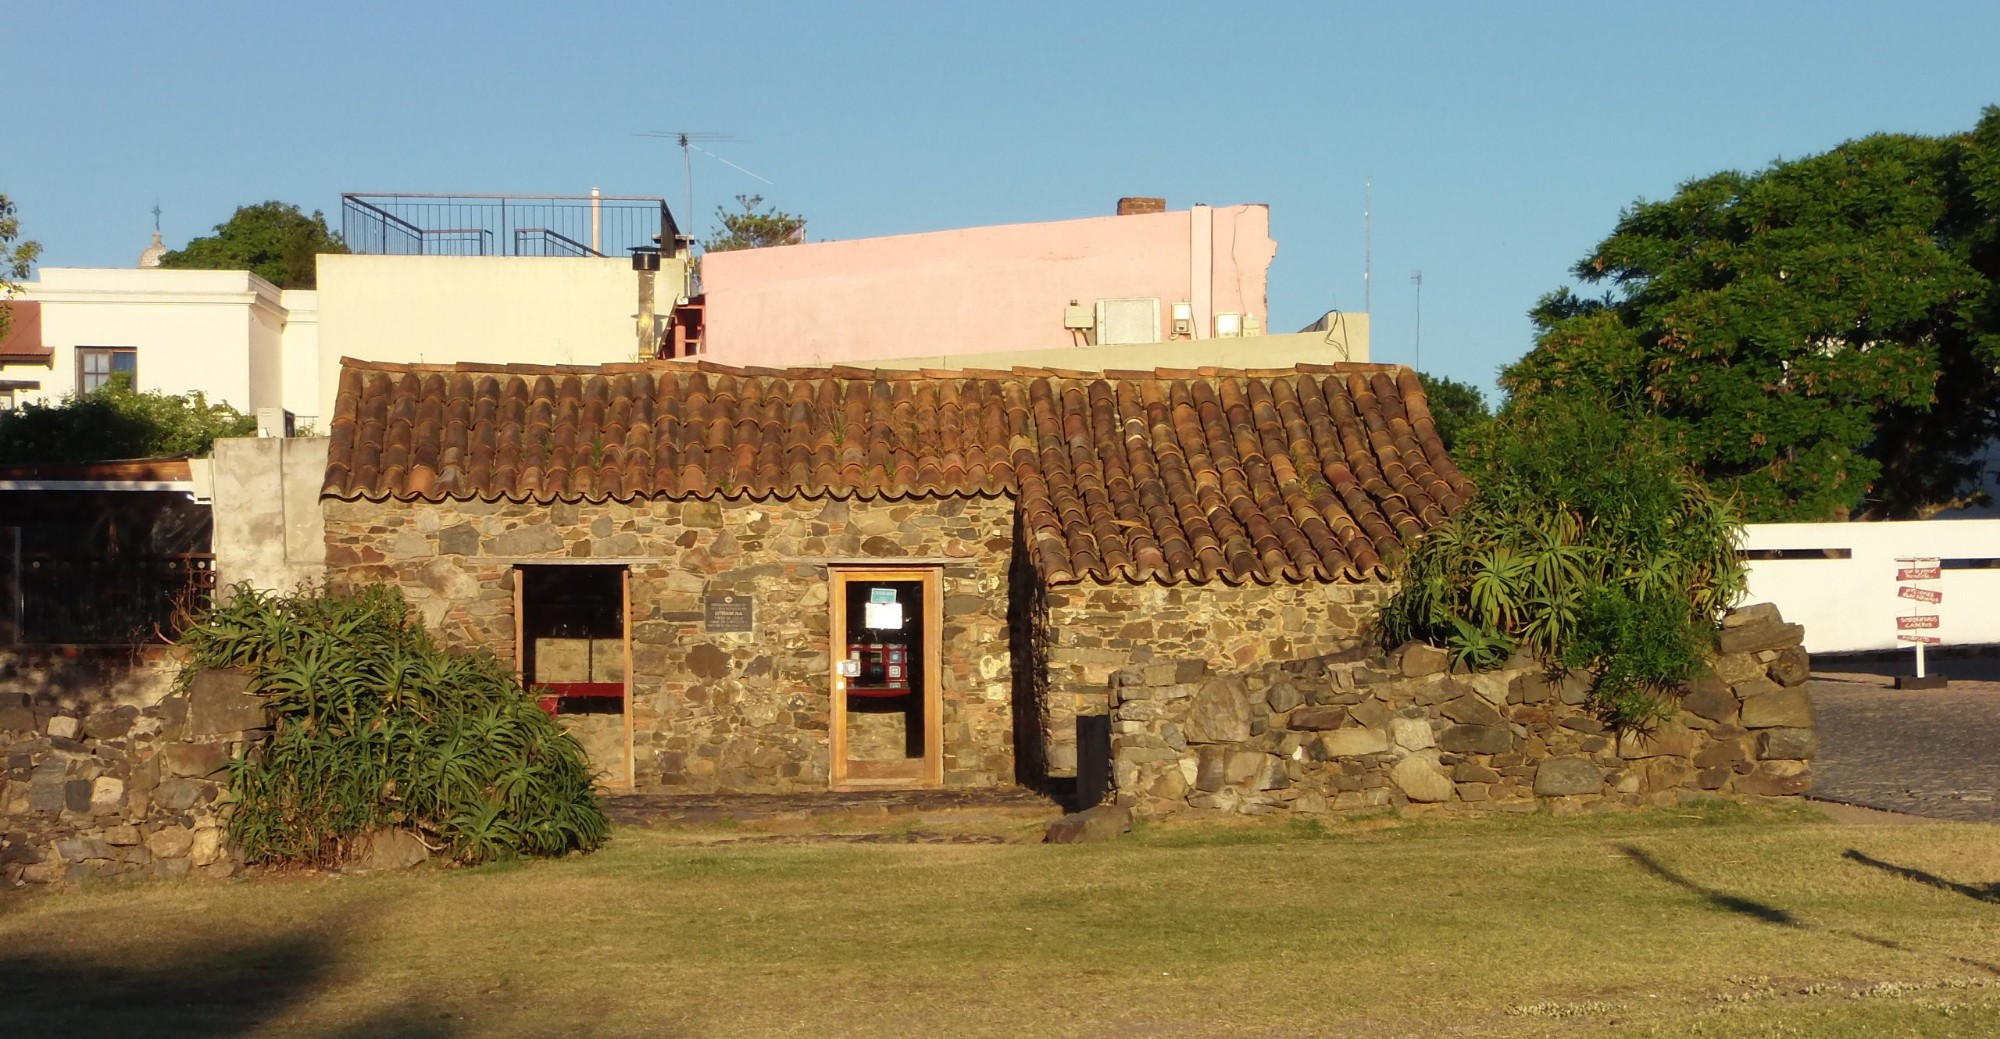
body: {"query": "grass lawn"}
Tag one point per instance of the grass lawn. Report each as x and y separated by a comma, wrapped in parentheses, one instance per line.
(1711, 921)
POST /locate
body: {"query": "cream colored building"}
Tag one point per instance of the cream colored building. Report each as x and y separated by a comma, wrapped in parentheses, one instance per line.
(489, 309)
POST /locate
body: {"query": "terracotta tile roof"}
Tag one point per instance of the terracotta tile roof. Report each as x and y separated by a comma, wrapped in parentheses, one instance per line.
(1312, 473)
(23, 342)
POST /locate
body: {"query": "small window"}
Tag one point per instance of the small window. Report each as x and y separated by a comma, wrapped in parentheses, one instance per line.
(97, 366)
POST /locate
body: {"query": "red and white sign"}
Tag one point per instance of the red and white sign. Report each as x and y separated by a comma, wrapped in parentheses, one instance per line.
(1918, 568)
(1920, 622)
(1928, 640)
(1919, 594)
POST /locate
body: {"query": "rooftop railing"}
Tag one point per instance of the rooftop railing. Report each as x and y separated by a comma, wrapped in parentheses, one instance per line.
(505, 225)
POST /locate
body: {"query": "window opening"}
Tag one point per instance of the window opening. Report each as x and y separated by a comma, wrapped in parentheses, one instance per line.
(573, 656)
(97, 366)
(885, 670)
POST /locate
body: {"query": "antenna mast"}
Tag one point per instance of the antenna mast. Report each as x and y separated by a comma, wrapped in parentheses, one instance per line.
(1417, 279)
(688, 142)
(1367, 243)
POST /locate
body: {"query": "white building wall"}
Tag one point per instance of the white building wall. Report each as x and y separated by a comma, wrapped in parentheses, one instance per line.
(299, 348)
(193, 330)
(1850, 604)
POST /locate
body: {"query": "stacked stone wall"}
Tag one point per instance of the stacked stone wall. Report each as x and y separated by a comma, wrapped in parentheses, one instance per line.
(1173, 631)
(716, 711)
(1362, 730)
(111, 772)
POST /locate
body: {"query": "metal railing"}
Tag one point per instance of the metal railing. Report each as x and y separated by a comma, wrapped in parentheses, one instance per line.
(504, 225)
(122, 600)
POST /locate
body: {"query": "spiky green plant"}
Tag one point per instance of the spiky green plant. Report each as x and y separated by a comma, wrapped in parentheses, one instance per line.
(1590, 545)
(378, 726)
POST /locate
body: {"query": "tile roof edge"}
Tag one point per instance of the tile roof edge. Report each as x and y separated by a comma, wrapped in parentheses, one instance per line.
(849, 371)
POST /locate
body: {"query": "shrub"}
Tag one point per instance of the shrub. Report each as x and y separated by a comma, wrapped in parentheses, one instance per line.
(116, 421)
(377, 726)
(1591, 544)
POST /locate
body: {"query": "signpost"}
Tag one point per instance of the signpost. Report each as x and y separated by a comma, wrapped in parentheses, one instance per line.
(1914, 627)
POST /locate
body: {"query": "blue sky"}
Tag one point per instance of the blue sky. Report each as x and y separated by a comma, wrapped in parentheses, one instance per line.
(1502, 139)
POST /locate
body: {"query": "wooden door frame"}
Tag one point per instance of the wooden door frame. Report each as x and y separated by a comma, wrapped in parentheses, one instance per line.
(630, 779)
(930, 580)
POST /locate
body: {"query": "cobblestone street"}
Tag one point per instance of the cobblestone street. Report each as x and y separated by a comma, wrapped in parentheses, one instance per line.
(1934, 753)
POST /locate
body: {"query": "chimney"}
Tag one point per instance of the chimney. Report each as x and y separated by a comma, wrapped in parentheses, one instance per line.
(1135, 205)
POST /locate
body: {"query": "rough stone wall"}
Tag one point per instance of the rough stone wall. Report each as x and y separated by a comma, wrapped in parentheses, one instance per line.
(717, 711)
(1098, 630)
(110, 772)
(1360, 730)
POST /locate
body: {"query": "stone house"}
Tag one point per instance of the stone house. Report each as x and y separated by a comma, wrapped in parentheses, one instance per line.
(732, 579)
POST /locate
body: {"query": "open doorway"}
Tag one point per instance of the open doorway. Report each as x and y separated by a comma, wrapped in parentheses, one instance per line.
(886, 691)
(574, 652)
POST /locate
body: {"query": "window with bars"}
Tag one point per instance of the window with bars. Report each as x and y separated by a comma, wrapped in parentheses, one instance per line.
(96, 366)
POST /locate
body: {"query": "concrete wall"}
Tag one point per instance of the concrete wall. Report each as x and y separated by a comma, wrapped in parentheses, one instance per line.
(194, 330)
(492, 309)
(981, 288)
(1851, 604)
(269, 529)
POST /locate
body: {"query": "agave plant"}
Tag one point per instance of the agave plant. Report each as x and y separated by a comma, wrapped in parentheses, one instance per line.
(377, 726)
(1591, 545)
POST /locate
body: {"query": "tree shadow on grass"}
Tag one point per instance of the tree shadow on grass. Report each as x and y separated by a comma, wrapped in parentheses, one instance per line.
(1720, 899)
(1986, 893)
(1771, 914)
(205, 988)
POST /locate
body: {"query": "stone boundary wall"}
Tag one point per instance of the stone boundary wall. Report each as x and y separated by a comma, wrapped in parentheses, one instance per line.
(111, 772)
(1365, 730)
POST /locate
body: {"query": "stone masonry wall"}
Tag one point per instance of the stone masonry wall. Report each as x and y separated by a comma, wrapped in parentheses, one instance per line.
(1360, 730)
(1172, 632)
(110, 772)
(717, 711)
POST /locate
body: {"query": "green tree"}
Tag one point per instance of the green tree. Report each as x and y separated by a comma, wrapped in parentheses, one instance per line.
(16, 258)
(1819, 336)
(751, 229)
(1458, 408)
(273, 240)
(116, 422)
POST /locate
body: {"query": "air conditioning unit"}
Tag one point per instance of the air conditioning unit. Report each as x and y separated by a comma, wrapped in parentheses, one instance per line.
(1133, 320)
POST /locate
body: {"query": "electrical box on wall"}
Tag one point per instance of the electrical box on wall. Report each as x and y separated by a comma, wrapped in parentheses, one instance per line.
(1077, 317)
(1228, 326)
(1184, 319)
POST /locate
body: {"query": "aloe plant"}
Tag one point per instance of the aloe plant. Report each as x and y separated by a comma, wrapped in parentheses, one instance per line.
(1590, 545)
(378, 726)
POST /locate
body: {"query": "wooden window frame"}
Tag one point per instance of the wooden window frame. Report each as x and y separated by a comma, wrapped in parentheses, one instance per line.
(111, 353)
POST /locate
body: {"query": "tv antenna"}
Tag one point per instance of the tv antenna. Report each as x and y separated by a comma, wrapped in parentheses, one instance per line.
(1417, 279)
(691, 141)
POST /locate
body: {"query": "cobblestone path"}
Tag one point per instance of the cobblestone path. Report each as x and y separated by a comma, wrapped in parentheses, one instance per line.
(1934, 753)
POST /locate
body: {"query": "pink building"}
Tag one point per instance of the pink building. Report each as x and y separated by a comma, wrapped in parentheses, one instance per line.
(1144, 276)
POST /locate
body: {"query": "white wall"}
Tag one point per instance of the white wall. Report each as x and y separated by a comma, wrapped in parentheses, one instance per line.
(1851, 604)
(490, 309)
(194, 330)
(299, 348)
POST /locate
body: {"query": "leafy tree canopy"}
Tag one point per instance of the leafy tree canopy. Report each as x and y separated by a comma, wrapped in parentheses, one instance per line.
(1458, 408)
(16, 258)
(751, 229)
(115, 422)
(1822, 337)
(273, 240)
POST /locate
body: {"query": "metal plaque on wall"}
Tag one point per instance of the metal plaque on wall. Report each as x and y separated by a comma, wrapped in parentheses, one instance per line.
(726, 613)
